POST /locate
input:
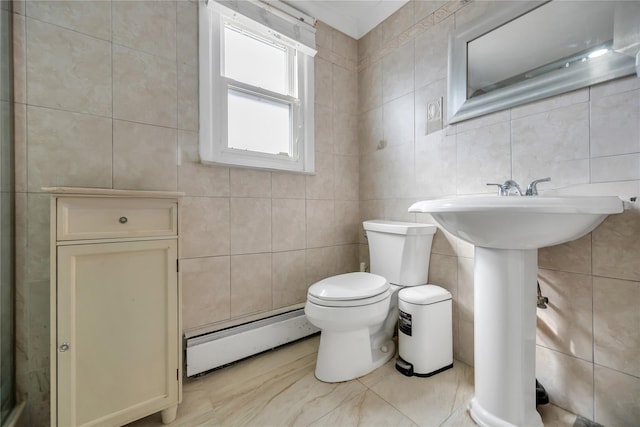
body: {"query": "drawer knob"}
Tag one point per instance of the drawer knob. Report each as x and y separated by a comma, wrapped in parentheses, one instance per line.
(64, 347)
(123, 220)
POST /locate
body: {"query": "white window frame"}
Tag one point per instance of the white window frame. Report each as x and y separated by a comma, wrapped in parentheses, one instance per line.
(214, 88)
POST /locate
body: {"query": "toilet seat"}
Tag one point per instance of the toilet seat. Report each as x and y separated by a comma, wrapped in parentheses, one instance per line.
(349, 290)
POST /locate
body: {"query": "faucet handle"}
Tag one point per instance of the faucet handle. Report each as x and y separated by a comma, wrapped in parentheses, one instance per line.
(532, 189)
(500, 188)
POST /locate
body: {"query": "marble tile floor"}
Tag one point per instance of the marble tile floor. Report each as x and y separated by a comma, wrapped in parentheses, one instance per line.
(278, 389)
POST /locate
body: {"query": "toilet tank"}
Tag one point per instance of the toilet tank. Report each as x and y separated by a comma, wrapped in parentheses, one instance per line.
(400, 251)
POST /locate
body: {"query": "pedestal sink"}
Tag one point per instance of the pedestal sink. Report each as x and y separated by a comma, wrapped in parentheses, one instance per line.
(506, 232)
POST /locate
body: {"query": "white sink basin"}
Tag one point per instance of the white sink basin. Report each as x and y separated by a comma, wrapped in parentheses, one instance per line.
(506, 232)
(519, 222)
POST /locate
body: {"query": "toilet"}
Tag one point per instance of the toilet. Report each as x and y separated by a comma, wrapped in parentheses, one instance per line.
(357, 312)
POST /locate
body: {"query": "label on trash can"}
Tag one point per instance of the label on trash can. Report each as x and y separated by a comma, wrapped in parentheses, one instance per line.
(404, 323)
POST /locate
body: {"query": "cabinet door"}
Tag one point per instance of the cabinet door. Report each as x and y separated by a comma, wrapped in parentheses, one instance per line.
(117, 331)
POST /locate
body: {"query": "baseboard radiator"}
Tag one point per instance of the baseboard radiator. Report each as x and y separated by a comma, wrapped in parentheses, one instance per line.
(220, 348)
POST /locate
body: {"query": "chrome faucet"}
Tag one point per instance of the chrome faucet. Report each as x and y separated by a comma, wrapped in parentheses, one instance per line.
(532, 189)
(511, 188)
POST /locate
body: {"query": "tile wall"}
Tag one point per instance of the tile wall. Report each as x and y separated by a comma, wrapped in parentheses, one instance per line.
(106, 96)
(588, 352)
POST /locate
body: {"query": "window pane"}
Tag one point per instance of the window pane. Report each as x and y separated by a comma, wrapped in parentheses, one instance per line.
(258, 124)
(255, 61)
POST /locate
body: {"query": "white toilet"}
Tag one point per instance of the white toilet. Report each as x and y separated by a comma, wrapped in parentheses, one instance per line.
(357, 312)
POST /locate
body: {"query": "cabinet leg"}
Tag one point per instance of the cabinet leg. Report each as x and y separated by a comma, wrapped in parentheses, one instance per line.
(169, 414)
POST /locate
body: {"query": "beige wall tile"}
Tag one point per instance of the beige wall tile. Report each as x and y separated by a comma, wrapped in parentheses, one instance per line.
(152, 99)
(250, 183)
(370, 131)
(568, 380)
(431, 53)
(370, 87)
(148, 26)
(288, 185)
(616, 398)
(320, 185)
(195, 178)
(370, 44)
(347, 259)
(574, 256)
(188, 96)
(398, 72)
(443, 242)
(616, 248)
(397, 23)
(615, 168)
(38, 240)
(422, 8)
(144, 157)
(323, 71)
(187, 32)
(552, 144)
(616, 321)
(344, 45)
(345, 90)
(324, 35)
(250, 225)
(398, 126)
(321, 226)
(250, 284)
(20, 146)
(205, 226)
(67, 149)
(436, 160)
(544, 105)
(288, 278)
(324, 133)
(19, 59)
(288, 224)
(483, 156)
(345, 134)
(91, 18)
(464, 340)
(614, 127)
(321, 263)
(206, 290)
(67, 70)
(346, 177)
(396, 171)
(568, 313)
(347, 221)
(443, 272)
(38, 324)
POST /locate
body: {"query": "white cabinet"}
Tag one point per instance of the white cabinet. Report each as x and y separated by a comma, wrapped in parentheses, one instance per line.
(115, 307)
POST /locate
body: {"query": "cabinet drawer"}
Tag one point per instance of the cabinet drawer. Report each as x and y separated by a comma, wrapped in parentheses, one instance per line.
(98, 218)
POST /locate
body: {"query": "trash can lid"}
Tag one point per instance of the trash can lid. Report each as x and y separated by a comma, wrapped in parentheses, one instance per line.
(424, 294)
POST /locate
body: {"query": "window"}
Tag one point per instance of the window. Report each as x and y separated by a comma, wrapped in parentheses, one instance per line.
(256, 88)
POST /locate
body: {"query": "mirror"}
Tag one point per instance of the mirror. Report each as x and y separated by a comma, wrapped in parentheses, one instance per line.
(530, 50)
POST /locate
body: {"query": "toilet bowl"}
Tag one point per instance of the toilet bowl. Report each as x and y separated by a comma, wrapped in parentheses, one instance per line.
(357, 312)
(350, 310)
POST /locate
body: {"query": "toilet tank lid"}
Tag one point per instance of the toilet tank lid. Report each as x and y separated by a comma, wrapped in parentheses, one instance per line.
(423, 294)
(397, 227)
(349, 286)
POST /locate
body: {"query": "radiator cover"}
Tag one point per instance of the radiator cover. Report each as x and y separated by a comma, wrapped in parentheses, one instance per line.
(211, 351)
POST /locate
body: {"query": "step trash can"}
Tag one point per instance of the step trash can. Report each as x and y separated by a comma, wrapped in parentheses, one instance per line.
(425, 332)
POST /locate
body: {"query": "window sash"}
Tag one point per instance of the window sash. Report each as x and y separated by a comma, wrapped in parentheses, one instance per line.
(214, 104)
(293, 112)
(290, 86)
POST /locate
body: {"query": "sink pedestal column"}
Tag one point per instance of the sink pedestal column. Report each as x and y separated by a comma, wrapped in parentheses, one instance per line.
(505, 338)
